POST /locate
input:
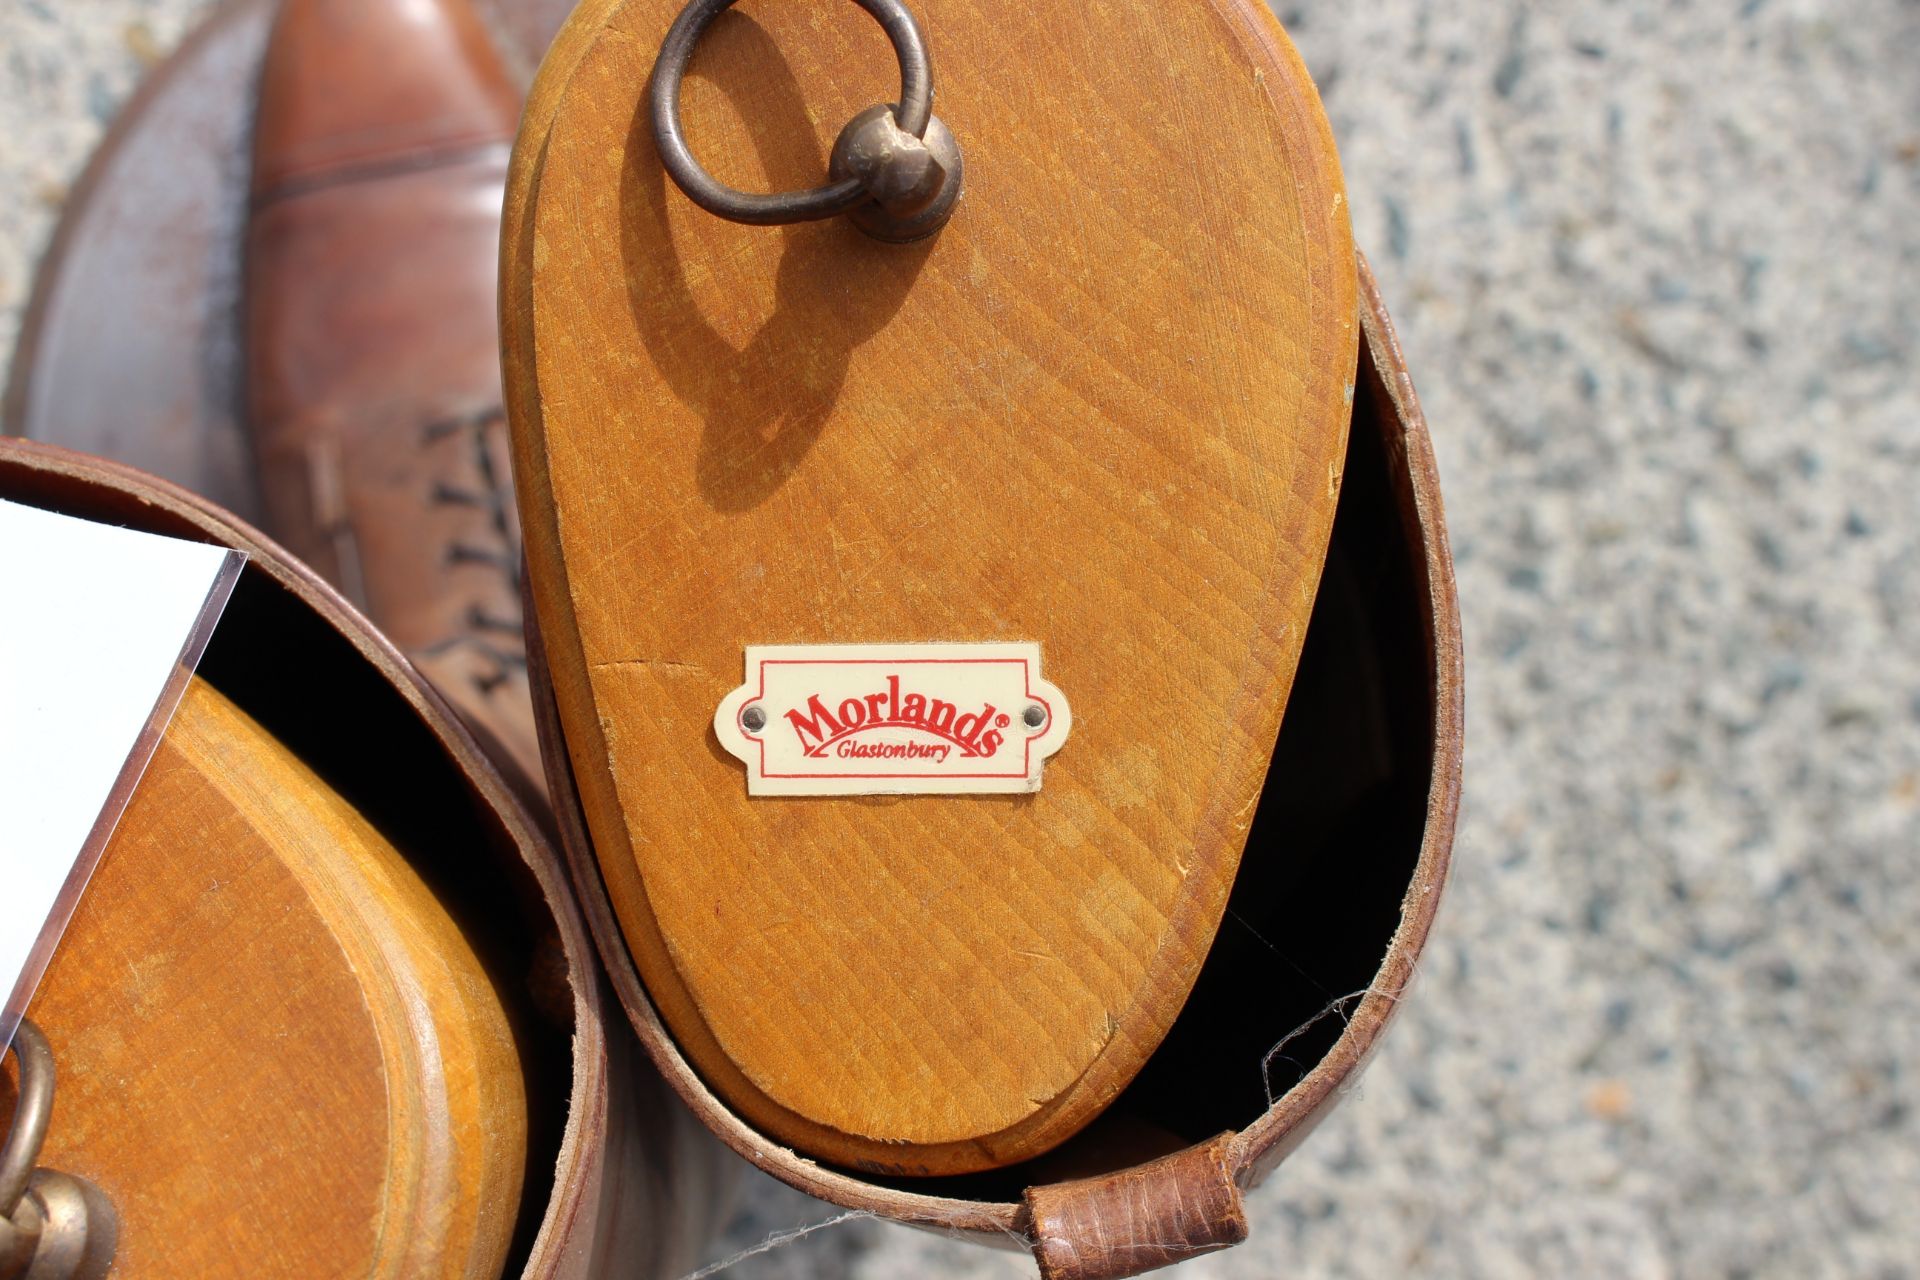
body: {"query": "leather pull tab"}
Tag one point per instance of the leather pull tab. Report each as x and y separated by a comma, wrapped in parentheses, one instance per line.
(1126, 1224)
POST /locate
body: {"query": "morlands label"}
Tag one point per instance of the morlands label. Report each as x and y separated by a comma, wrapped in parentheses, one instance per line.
(875, 719)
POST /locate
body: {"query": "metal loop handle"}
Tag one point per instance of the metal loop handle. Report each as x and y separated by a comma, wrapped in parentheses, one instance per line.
(31, 1114)
(912, 114)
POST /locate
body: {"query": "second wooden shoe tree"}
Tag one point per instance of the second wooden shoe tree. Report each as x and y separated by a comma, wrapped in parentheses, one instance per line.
(1101, 412)
(277, 1054)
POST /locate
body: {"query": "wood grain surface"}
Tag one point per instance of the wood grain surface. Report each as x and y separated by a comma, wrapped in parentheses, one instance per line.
(1404, 645)
(277, 1054)
(1104, 410)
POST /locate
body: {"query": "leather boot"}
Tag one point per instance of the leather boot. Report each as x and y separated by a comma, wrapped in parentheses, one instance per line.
(373, 385)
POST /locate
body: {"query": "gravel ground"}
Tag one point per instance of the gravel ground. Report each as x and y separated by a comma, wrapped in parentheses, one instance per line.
(1657, 267)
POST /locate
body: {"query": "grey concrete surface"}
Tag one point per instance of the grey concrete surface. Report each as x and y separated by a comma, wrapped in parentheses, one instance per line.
(1657, 267)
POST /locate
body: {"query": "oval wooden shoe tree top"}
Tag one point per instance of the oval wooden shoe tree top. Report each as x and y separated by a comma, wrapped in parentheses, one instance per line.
(278, 1055)
(1102, 411)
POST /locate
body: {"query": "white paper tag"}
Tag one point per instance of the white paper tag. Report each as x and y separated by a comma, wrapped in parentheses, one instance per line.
(100, 628)
(875, 719)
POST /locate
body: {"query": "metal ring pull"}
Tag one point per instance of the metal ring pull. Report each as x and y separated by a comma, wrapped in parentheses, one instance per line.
(31, 1114)
(53, 1226)
(895, 170)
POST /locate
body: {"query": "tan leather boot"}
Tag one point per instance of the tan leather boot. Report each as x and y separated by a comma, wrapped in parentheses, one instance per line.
(373, 384)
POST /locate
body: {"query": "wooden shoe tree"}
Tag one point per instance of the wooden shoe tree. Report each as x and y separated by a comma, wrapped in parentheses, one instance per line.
(1102, 412)
(277, 1054)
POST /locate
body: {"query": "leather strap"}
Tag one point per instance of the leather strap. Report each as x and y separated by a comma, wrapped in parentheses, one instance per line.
(1141, 1219)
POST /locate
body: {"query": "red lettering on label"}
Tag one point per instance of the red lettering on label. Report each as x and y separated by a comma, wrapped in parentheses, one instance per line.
(973, 733)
